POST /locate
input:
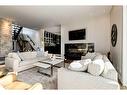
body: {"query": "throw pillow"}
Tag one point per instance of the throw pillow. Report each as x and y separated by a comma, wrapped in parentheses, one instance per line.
(98, 57)
(18, 53)
(89, 56)
(97, 53)
(79, 65)
(14, 55)
(96, 67)
(28, 55)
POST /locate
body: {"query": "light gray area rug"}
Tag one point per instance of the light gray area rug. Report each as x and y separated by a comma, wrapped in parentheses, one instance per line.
(31, 76)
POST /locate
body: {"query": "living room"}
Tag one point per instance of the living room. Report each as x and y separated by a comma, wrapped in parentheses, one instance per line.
(55, 45)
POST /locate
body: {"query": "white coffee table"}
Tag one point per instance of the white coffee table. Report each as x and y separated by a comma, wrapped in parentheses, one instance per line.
(48, 63)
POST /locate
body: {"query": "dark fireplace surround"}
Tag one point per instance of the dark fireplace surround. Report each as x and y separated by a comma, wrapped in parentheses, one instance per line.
(74, 51)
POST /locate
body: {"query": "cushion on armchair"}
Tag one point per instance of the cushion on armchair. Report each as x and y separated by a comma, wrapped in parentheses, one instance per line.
(10, 82)
(36, 86)
(17, 85)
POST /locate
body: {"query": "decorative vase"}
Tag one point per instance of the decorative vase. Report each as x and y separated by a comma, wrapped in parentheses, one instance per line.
(53, 57)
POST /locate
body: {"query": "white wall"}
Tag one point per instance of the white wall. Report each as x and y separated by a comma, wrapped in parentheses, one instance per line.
(97, 32)
(41, 36)
(63, 33)
(116, 52)
(54, 29)
(124, 65)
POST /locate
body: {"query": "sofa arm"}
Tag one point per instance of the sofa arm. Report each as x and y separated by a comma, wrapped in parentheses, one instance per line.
(109, 70)
(110, 73)
(12, 63)
(7, 79)
(37, 86)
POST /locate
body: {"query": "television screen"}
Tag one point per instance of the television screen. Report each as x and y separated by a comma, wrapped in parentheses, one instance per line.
(77, 34)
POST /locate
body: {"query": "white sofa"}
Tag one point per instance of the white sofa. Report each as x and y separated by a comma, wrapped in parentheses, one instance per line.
(24, 61)
(68, 79)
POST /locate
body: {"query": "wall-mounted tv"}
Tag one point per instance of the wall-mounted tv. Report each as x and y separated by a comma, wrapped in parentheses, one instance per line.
(77, 34)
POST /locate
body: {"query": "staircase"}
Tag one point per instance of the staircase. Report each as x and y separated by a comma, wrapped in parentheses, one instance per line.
(16, 29)
(21, 42)
(26, 43)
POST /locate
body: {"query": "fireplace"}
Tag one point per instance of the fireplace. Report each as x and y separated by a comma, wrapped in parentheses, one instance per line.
(76, 50)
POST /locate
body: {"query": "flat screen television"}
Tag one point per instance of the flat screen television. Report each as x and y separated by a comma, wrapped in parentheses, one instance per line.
(77, 34)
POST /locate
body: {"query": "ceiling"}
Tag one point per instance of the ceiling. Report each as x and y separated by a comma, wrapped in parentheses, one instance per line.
(42, 16)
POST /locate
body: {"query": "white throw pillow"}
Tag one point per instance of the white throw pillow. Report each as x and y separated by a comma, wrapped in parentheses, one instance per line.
(97, 53)
(96, 67)
(79, 65)
(15, 56)
(18, 53)
(98, 57)
(86, 61)
(76, 64)
(89, 56)
(27, 55)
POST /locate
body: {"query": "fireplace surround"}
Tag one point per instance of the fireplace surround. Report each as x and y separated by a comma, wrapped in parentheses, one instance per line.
(74, 51)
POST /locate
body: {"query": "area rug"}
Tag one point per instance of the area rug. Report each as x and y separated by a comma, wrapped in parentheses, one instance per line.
(31, 76)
